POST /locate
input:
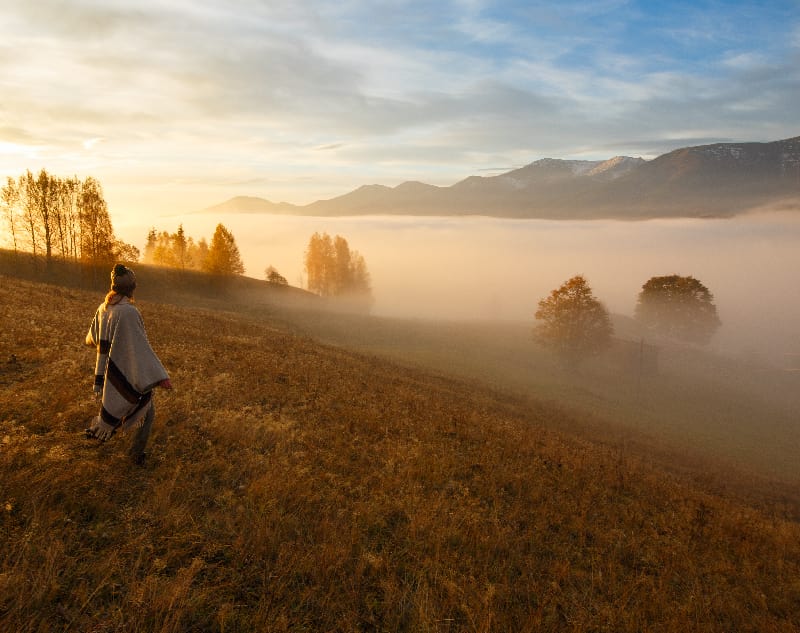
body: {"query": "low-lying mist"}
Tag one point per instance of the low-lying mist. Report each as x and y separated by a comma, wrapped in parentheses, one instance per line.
(497, 269)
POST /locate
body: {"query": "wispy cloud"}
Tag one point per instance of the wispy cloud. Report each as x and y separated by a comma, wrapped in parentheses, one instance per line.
(331, 95)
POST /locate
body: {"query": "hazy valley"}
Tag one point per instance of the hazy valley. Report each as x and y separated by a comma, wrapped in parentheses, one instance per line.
(494, 269)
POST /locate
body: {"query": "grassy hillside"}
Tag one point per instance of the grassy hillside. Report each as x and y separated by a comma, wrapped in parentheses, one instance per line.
(736, 412)
(294, 486)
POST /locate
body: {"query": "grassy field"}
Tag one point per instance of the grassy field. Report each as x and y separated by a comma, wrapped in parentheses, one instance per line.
(731, 411)
(299, 486)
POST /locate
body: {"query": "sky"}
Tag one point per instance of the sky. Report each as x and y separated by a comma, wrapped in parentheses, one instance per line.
(177, 106)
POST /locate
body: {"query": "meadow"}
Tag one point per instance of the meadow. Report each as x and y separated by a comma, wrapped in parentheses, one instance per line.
(729, 412)
(294, 484)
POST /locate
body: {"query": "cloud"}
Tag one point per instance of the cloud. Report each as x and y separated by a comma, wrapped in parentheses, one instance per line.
(91, 142)
(80, 20)
(11, 134)
(745, 60)
(356, 91)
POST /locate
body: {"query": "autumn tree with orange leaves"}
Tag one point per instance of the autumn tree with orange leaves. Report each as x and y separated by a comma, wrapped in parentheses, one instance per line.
(223, 255)
(572, 322)
(336, 271)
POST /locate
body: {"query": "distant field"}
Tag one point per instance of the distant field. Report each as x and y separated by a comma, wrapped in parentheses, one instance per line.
(299, 486)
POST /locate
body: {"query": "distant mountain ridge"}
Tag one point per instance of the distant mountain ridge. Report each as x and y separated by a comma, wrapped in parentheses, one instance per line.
(719, 180)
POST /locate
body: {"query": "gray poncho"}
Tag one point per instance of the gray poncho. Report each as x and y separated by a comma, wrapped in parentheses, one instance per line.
(127, 368)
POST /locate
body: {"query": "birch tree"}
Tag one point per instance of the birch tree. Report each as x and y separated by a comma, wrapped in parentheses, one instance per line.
(96, 232)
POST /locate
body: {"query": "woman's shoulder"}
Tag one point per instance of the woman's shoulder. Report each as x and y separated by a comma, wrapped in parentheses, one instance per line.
(128, 307)
(124, 309)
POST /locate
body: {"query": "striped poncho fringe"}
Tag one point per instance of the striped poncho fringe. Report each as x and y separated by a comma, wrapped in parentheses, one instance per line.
(127, 368)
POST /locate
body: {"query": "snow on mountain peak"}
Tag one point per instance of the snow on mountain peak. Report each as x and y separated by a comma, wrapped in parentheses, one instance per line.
(615, 167)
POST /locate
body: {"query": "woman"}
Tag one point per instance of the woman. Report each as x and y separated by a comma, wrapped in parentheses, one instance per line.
(127, 369)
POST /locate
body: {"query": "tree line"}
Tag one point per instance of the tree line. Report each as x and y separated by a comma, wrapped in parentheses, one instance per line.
(67, 218)
(333, 269)
(58, 217)
(177, 250)
(574, 324)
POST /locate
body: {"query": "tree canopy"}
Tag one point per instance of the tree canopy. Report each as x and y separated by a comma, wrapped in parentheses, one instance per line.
(178, 250)
(334, 270)
(175, 250)
(572, 322)
(223, 255)
(678, 307)
(61, 217)
(274, 277)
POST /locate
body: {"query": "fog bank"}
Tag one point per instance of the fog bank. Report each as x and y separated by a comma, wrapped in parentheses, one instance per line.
(487, 268)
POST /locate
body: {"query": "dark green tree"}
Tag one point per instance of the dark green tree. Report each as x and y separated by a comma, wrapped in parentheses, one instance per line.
(274, 277)
(677, 307)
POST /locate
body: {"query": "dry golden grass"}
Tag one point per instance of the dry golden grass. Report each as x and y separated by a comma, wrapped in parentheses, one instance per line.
(298, 487)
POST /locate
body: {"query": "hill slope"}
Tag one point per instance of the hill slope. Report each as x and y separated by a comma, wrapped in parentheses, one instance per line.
(295, 486)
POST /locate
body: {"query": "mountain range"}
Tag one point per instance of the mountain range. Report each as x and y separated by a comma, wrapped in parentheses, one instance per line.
(719, 180)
